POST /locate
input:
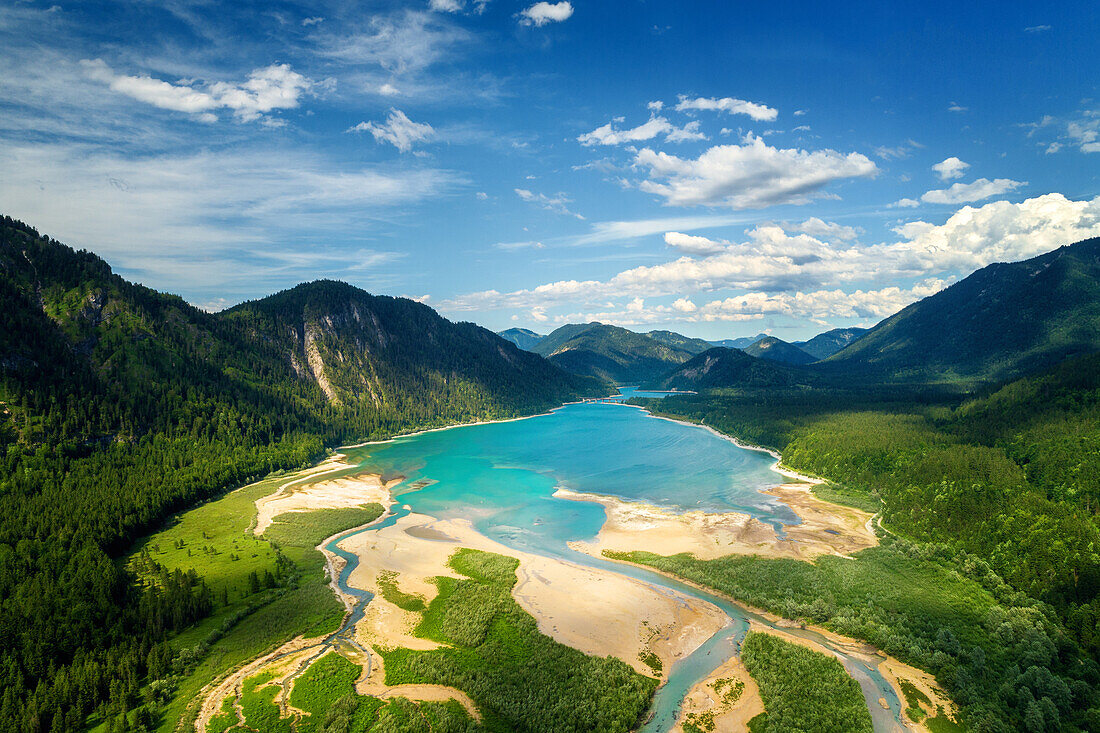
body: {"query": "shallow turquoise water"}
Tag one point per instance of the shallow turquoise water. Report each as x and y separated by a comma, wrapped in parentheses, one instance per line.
(501, 476)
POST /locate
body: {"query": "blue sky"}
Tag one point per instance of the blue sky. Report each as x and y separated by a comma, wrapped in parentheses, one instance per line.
(715, 168)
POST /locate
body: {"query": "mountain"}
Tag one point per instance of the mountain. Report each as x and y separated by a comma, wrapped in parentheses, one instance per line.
(774, 349)
(722, 367)
(828, 343)
(122, 405)
(521, 337)
(739, 343)
(1000, 322)
(679, 341)
(610, 353)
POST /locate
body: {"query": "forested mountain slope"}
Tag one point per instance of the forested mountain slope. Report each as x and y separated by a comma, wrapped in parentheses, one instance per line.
(1002, 321)
(521, 337)
(122, 405)
(721, 367)
(680, 341)
(778, 350)
(610, 353)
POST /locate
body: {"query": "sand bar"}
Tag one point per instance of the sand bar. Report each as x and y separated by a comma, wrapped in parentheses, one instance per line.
(826, 529)
(595, 611)
(337, 493)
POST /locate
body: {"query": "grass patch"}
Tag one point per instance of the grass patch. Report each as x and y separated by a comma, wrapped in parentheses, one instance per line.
(260, 711)
(803, 690)
(226, 717)
(837, 494)
(387, 584)
(519, 678)
(913, 698)
(318, 688)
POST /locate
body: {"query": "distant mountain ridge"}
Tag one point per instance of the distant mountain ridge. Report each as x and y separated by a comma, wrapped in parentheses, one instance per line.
(610, 353)
(739, 343)
(1002, 321)
(521, 337)
(828, 343)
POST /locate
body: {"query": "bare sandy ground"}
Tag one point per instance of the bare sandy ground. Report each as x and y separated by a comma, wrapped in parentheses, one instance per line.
(893, 671)
(704, 697)
(597, 612)
(826, 529)
(338, 493)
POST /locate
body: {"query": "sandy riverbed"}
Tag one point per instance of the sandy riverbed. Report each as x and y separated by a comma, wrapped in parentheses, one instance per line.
(826, 529)
(708, 696)
(598, 612)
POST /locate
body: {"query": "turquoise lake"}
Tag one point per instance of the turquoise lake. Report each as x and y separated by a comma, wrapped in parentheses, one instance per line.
(501, 476)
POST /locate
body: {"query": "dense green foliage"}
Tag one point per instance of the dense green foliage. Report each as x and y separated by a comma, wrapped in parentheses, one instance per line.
(1000, 322)
(611, 353)
(771, 348)
(803, 691)
(387, 584)
(520, 679)
(318, 688)
(122, 405)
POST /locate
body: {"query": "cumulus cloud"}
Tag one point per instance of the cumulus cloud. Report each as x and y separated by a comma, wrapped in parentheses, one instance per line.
(905, 204)
(729, 105)
(788, 265)
(950, 168)
(1085, 133)
(609, 135)
(826, 229)
(694, 245)
(557, 202)
(266, 89)
(751, 175)
(398, 130)
(542, 13)
(963, 193)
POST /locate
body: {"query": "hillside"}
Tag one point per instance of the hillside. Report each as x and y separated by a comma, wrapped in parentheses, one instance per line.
(610, 353)
(122, 405)
(1002, 321)
(679, 341)
(778, 350)
(521, 337)
(721, 367)
(828, 343)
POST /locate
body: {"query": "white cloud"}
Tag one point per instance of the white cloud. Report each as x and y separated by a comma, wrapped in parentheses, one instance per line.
(398, 130)
(1036, 28)
(389, 90)
(1085, 134)
(759, 112)
(950, 168)
(964, 193)
(542, 13)
(446, 6)
(315, 20)
(826, 229)
(693, 245)
(956, 107)
(267, 89)
(557, 202)
(655, 106)
(213, 223)
(400, 43)
(482, 196)
(609, 135)
(752, 175)
(792, 265)
(905, 204)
